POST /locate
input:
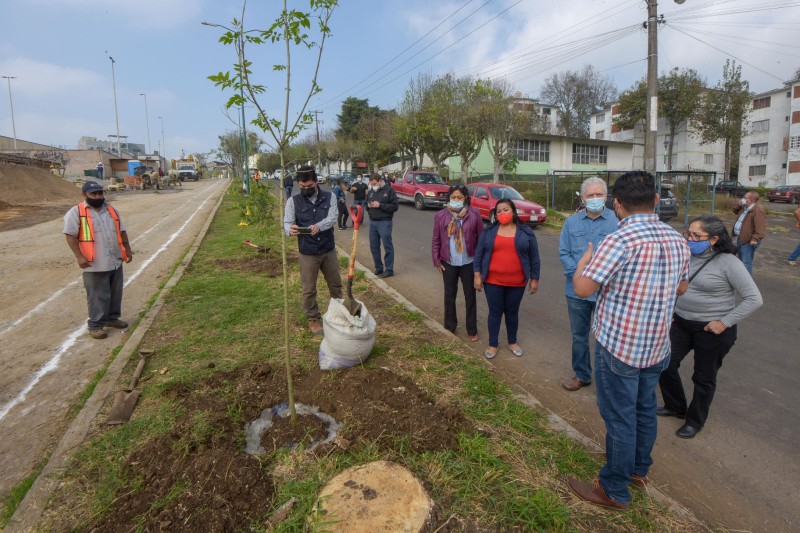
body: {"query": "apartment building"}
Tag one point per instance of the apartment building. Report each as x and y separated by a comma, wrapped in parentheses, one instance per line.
(770, 149)
(688, 153)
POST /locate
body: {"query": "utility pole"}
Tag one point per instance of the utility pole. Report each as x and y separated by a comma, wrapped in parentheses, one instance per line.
(11, 103)
(651, 112)
(316, 123)
(116, 113)
(147, 122)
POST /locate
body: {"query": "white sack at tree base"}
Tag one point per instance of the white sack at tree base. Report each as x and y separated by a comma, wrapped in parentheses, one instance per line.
(348, 339)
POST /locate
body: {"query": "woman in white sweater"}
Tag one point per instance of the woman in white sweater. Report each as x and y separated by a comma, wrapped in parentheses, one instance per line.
(705, 320)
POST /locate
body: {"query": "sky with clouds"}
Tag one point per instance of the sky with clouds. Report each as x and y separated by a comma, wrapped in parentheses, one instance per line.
(58, 51)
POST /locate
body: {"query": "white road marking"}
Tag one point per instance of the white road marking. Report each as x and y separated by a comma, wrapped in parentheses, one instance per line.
(58, 293)
(53, 362)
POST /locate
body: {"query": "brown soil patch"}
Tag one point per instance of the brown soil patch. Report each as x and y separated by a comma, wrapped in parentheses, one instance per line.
(198, 477)
(268, 263)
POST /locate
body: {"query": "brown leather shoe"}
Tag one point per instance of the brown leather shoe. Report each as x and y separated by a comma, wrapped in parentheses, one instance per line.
(640, 481)
(117, 323)
(315, 327)
(594, 493)
(98, 333)
(573, 384)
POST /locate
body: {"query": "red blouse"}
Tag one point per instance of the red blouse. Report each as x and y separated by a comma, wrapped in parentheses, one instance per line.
(505, 268)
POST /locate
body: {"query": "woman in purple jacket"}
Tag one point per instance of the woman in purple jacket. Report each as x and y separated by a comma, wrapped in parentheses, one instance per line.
(456, 229)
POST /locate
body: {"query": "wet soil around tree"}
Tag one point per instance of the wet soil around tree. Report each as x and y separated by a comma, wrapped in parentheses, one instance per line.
(199, 478)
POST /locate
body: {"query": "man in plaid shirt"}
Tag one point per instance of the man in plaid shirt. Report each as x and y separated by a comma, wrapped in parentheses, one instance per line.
(639, 269)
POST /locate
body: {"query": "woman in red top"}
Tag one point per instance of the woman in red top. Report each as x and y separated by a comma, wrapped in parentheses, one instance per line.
(506, 261)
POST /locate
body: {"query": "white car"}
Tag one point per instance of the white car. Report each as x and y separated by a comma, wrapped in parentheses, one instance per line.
(278, 174)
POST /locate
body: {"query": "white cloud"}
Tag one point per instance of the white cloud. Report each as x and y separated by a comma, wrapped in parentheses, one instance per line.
(36, 78)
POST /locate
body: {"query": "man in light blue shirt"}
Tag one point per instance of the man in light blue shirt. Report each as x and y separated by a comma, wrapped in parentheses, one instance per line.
(589, 225)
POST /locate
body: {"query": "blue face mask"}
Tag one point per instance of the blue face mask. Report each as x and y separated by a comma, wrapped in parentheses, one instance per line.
(698, 247)
(595, 205)
(456, 205)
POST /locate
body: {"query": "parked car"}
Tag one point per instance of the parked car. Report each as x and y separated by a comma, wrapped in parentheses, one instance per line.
(484, 196)
(348, 177)
(423, 188)
(730, 188)
(667, 204)
(278, 174)
(321, 179)
(785, 193)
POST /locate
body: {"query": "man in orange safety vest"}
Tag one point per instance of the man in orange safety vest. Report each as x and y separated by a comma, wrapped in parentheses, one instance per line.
(99, 241)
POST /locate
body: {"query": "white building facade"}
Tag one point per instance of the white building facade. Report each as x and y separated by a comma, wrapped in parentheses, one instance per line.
(688, 153)
(770, 150)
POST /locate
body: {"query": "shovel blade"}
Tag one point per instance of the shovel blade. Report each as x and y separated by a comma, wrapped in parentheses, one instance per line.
(353, 307)
(122, 409)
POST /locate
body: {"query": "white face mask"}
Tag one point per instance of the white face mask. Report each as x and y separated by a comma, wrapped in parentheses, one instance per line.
(743, 201)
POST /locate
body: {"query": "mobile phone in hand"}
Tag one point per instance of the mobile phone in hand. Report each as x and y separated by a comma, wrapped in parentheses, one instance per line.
(304, 231)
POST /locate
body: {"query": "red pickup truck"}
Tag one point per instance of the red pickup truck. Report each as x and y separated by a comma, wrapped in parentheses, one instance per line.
(423, 188)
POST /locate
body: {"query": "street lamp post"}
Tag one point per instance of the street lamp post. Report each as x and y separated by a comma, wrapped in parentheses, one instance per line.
(163, 142)
(116, 113)
(147, 122)
(241, 93)
(11, 103)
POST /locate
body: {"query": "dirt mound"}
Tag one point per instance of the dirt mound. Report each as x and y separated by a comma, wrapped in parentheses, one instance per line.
(30, 186)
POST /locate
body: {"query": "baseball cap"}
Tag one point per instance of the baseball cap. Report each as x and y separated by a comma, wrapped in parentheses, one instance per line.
(92, 186)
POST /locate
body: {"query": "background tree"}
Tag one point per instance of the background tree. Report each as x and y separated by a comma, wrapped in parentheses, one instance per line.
(796, 75)
(577, 95)
(376, 138)
(432, 121)
(679, 96)
(409, 121)
(723, 114)
(507, 120)
(353, 110)
(230, 152)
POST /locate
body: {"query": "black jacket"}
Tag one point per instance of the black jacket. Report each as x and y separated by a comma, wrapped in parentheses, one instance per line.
(388, 200)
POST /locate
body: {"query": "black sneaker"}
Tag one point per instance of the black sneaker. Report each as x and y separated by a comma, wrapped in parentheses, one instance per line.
(386, 274)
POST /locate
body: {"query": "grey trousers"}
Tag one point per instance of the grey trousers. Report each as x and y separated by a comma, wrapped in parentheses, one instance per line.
(310, 267)
(104, 296)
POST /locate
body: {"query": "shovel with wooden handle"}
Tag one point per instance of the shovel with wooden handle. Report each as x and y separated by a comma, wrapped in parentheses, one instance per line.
(125, 400)
(354, 307)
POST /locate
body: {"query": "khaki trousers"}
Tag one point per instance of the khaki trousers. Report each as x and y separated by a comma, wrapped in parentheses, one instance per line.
(310, 267)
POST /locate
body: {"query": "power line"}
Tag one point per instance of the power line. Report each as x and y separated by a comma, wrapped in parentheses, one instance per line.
(729, 54)
(325, 104)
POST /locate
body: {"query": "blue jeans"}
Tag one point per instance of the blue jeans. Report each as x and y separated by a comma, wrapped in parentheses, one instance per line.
(580, 320)
(502, 301)
(626, 397)
(380, 231)
(288, 191)
(746, 253)
(796, 254)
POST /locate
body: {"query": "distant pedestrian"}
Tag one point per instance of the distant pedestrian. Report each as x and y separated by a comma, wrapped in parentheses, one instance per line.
(705, 321)
(341, 204)
(288, 184)
(796, 254)
(506, 262)
(456, 230)
(381, 206)
(640, 268)
(750, 228)
(359, 189)
(98, 239)
(100, 170)
(257, 177)
(310, 216)
(590, 225)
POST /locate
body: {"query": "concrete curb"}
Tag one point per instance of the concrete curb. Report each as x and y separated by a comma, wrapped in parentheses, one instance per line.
(555, 422)
(29, 511)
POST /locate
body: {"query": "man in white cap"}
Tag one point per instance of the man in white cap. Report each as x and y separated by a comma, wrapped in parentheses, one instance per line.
(98, 239)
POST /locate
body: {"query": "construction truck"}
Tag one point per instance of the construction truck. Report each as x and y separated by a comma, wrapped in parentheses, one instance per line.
(186, 169)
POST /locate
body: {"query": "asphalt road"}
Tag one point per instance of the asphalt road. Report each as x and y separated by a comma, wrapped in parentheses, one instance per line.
(741, 471)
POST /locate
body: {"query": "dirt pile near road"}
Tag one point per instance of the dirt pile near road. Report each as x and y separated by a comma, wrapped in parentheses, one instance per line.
(29, 186)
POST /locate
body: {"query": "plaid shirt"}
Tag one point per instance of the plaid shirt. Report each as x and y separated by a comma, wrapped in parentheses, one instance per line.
(639, 268)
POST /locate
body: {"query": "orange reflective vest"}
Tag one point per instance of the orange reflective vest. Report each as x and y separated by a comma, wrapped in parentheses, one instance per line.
(86, 232)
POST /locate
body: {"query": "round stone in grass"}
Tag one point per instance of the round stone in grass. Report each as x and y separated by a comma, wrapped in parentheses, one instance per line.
(375, 497)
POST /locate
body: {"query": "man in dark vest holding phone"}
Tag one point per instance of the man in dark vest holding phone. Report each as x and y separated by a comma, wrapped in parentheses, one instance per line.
(310, 216)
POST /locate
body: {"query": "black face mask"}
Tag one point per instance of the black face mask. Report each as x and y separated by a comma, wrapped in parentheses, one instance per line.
(95, 202)
(308, 193)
